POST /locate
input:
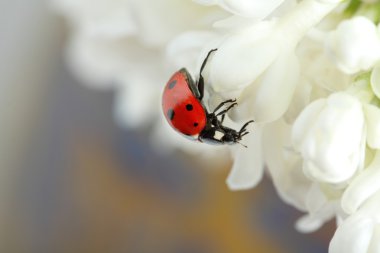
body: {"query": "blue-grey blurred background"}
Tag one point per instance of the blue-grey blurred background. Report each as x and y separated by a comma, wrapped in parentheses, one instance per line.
(71, 181)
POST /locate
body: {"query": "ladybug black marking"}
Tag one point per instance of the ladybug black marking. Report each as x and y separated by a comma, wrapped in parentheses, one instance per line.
(170, 114)
(192, 119)
(172, 84)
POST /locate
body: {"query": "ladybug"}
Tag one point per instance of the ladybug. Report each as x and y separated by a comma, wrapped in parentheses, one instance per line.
(185, 112)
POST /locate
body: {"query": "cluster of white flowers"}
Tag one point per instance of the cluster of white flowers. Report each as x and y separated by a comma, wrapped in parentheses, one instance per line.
(307, 72)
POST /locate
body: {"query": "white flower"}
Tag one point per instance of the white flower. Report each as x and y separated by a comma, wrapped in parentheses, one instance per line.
(259, 63)
(258, 99)
(359, 233)
(318, 77)
(329, 134)
(354, 45)
(331, 1)
(317, 126)
(246, 8)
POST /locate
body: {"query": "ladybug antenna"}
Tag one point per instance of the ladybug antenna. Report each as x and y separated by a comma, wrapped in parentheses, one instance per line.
(242, 144)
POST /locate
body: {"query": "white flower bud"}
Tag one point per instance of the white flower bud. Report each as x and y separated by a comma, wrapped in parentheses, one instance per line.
(354, 45)
(329, 135)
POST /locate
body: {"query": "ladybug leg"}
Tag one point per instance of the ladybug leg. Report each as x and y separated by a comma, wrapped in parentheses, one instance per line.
(205, 60)
(213, 116)
(200, 83)
(245, 133)
(223, 116)
(243, 130)
(223, 103)
(226, 110)
(201, 87)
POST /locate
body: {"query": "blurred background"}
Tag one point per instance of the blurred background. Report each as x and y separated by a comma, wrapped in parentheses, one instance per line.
(72, 181)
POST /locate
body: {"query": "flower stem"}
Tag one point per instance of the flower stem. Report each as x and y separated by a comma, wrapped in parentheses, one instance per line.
(352, 7)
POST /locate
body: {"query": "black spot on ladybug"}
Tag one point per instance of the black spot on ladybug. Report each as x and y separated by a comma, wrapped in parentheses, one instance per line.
(170, 114)
(172, 84)
(189, 107)
(195, 124)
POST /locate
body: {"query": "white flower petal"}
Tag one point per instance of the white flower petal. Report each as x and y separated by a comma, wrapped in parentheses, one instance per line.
(374, 246)
(303, 122)
(283, 9)
(207, 2)
(301, 99)
(268, 97)
(372, 114)
(359, 233)
(308, 224)
(362, 187)
(276, 88)
(354, 45)
(234, 22)
(184, 49)
(375, 80)
(330, 1)
(333, 146)
(285, 165)
(242, 58)
(248, 167)
(352, 236)
(320, 210)
(246, 8)
(315, 199)
(371, 207)
(251, 8)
